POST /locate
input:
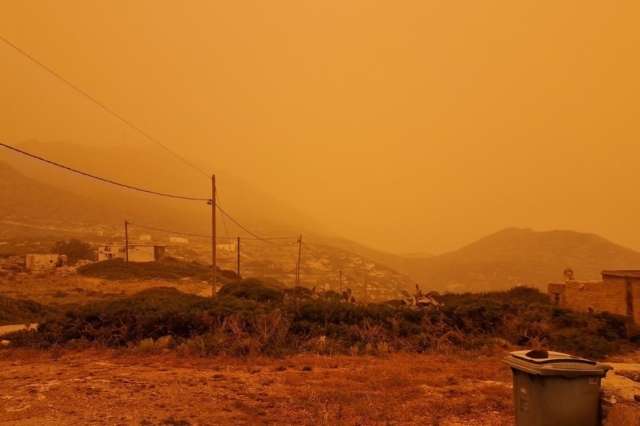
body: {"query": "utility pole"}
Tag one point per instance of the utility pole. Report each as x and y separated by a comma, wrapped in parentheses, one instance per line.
(126, 243)
(214, 289)
(299, 255)
(238, 260)
(340, 281)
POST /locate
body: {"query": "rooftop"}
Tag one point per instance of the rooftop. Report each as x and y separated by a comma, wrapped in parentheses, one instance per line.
(132, 245)
(622, 273)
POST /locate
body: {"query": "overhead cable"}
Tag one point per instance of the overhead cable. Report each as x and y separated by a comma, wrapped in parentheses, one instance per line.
(102, 179)
(316, 257)
(208, 236)
(245, 229)
(173, 232)
(110, 111)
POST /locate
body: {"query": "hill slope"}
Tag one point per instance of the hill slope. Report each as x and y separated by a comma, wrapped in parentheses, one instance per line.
(37, 211)
(520, 257)
(151, 168)
(30, 202)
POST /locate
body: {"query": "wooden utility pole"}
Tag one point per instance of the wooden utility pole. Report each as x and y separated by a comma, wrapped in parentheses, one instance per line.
(214, 289)
(299, 255)
(238, 260)
(340, 281)
(126, 243)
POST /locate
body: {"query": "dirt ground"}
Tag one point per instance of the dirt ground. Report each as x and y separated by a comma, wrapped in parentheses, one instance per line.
(127, 387)
(53, 290)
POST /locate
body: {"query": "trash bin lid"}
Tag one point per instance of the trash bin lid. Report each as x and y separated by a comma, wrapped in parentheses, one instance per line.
(555, 364)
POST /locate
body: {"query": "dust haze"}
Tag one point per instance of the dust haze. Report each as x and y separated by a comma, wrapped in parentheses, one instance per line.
(412, 127)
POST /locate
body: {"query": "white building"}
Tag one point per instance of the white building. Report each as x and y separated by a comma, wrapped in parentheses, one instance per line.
(137, 252)
(41, 262)
(178, 240)
(144, 237)
(231, 247)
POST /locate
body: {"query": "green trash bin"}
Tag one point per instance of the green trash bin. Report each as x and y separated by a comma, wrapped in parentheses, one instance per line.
(555, 389)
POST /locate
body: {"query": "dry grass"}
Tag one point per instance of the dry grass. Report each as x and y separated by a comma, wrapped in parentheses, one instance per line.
(56, 290)
(129, 387)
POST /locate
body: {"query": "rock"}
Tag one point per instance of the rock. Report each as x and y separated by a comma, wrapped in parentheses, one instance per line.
(622, 415)
(5, 343)
(620, 396)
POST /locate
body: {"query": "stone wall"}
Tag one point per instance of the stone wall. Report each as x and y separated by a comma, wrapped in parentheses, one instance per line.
(597, 296)
(40, 262)
(557, 294)
(610, 295)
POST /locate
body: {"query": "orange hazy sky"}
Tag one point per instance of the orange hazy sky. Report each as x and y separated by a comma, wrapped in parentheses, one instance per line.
(408, 126)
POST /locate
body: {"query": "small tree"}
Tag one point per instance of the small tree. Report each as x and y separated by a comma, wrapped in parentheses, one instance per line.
(74, 250)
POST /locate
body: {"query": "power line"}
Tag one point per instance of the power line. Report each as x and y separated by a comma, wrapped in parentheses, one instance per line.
(171, 232)
(208, 236)
(128, 123)
(245, 229)
(316, 257)
(102, 179)
(224, 222)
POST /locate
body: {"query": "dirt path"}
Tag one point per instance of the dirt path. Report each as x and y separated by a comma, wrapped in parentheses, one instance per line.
(128, 388)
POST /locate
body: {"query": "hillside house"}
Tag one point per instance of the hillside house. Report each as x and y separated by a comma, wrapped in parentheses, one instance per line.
(618, 293)
(42, 262)
(144, 237)
(232, 247)
(181, 240)
(137, 252)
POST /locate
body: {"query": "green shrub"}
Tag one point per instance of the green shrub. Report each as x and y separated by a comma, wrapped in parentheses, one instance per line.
(14, 311)
(253, 318)
(252, 289)
(168, 269)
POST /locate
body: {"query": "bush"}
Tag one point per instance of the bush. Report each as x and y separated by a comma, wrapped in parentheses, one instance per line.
(252, 289)
(255, 318)
(74, 250)
(172, 269)
(13, 311)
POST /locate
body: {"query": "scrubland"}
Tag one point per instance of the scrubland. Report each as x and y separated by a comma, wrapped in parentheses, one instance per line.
(117, 350)
(112, 387)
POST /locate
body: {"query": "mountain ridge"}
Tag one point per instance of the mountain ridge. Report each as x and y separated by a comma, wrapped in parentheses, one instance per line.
(516, 256)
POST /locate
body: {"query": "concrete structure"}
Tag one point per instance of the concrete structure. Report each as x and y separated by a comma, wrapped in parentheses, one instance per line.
(137, 252)
(617, 293)
(232, 247)
(178, 240)
(144, 237)
(41, 262)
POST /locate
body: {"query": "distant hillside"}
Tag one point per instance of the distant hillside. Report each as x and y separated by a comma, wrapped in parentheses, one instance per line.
(152, 168)
(27, 201)
(520, 257)
(36, 211)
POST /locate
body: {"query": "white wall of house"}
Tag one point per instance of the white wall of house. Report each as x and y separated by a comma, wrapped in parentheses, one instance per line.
(144, 253)
(39, 262)
(137, 252)
(110, 252)
(227, 247)
(178, 240)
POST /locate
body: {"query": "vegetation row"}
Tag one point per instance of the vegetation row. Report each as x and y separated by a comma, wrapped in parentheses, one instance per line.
(253, 318)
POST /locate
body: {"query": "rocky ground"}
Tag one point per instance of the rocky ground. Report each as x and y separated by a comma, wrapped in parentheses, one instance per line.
(106, 387)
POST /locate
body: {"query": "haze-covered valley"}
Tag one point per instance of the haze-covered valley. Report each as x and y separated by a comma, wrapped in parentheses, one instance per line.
(319, 213)
(41, 196)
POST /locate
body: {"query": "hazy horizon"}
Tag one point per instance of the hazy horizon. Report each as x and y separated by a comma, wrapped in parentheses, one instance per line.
(419, 127)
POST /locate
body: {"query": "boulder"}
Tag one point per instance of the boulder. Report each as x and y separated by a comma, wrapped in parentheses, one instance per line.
(620, 396)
